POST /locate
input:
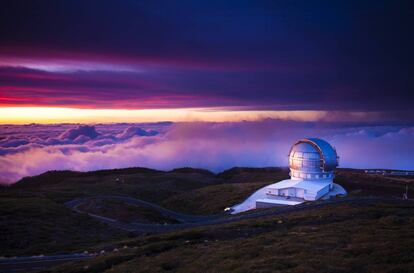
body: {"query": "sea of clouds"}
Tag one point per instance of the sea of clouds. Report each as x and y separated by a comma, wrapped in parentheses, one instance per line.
(27, 150)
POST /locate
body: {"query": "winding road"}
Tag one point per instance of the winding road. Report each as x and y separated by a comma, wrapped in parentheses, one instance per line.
(184, 220)
(189, 221)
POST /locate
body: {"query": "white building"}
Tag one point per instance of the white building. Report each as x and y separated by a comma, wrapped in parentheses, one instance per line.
(312, 162)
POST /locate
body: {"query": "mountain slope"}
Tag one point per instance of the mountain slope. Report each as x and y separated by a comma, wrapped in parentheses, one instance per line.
(371, 237)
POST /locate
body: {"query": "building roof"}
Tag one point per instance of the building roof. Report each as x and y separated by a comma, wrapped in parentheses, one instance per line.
(313, 186)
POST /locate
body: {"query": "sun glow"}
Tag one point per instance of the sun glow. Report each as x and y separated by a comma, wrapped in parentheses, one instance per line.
(24, 115)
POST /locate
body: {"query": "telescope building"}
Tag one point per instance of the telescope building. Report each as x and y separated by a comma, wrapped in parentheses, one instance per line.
(312, 162)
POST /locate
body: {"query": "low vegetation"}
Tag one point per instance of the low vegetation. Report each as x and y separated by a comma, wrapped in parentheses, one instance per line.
(212, 199)
(36, 225)
(123, 212)
(358, 183)
(338, 238)
(34, 220)
(147, 184)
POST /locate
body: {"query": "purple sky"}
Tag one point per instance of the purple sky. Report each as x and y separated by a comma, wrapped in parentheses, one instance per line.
(273, 55)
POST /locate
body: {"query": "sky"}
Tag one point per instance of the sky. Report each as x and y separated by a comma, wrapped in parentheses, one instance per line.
(303, 66)
(251, 56)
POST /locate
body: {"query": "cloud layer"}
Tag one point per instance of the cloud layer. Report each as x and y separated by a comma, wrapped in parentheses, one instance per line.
(33, 149)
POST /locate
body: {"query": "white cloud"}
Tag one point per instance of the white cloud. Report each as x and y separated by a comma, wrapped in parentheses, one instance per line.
(215, 146)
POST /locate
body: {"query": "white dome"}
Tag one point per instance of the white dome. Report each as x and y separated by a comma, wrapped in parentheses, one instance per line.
(312, 158)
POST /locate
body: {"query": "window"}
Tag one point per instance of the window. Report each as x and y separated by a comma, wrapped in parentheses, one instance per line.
(298, 154)
(311, 155)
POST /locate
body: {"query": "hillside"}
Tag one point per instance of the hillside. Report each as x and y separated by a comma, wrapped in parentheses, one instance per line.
(36, 225)
(151, 185)
(35, 221)
(338, 238)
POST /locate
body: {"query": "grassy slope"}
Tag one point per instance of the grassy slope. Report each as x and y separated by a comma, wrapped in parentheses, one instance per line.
(344, 238)
(35, 225)
(236, 185)
(33, 216)
(142, 183)
(124, 212)
(33, 219)
(187, 190)
(357, 183)
(212, 199)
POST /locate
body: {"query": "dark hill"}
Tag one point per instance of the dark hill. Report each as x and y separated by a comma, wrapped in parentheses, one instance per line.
(338, 238)
(249, 175)
(34, 220)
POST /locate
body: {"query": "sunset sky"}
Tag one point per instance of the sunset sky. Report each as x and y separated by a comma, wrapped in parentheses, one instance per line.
(205, 60)
(88, 85)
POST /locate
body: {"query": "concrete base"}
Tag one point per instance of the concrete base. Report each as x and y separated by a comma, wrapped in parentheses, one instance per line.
(337, 190)
(267, 203)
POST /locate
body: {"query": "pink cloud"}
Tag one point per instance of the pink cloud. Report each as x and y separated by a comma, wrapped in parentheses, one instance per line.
(215, 146)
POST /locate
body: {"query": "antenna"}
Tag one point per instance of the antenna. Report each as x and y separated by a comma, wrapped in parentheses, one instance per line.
(405, 195)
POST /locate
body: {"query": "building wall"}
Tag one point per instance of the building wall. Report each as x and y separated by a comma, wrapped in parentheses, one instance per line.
(287, 192)
(312, 196)
(292, 192)
(272, 191)
(264, 205)
(300, 193)
(323, 191)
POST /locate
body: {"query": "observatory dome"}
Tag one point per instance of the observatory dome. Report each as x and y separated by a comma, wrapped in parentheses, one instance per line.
(312, 159)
